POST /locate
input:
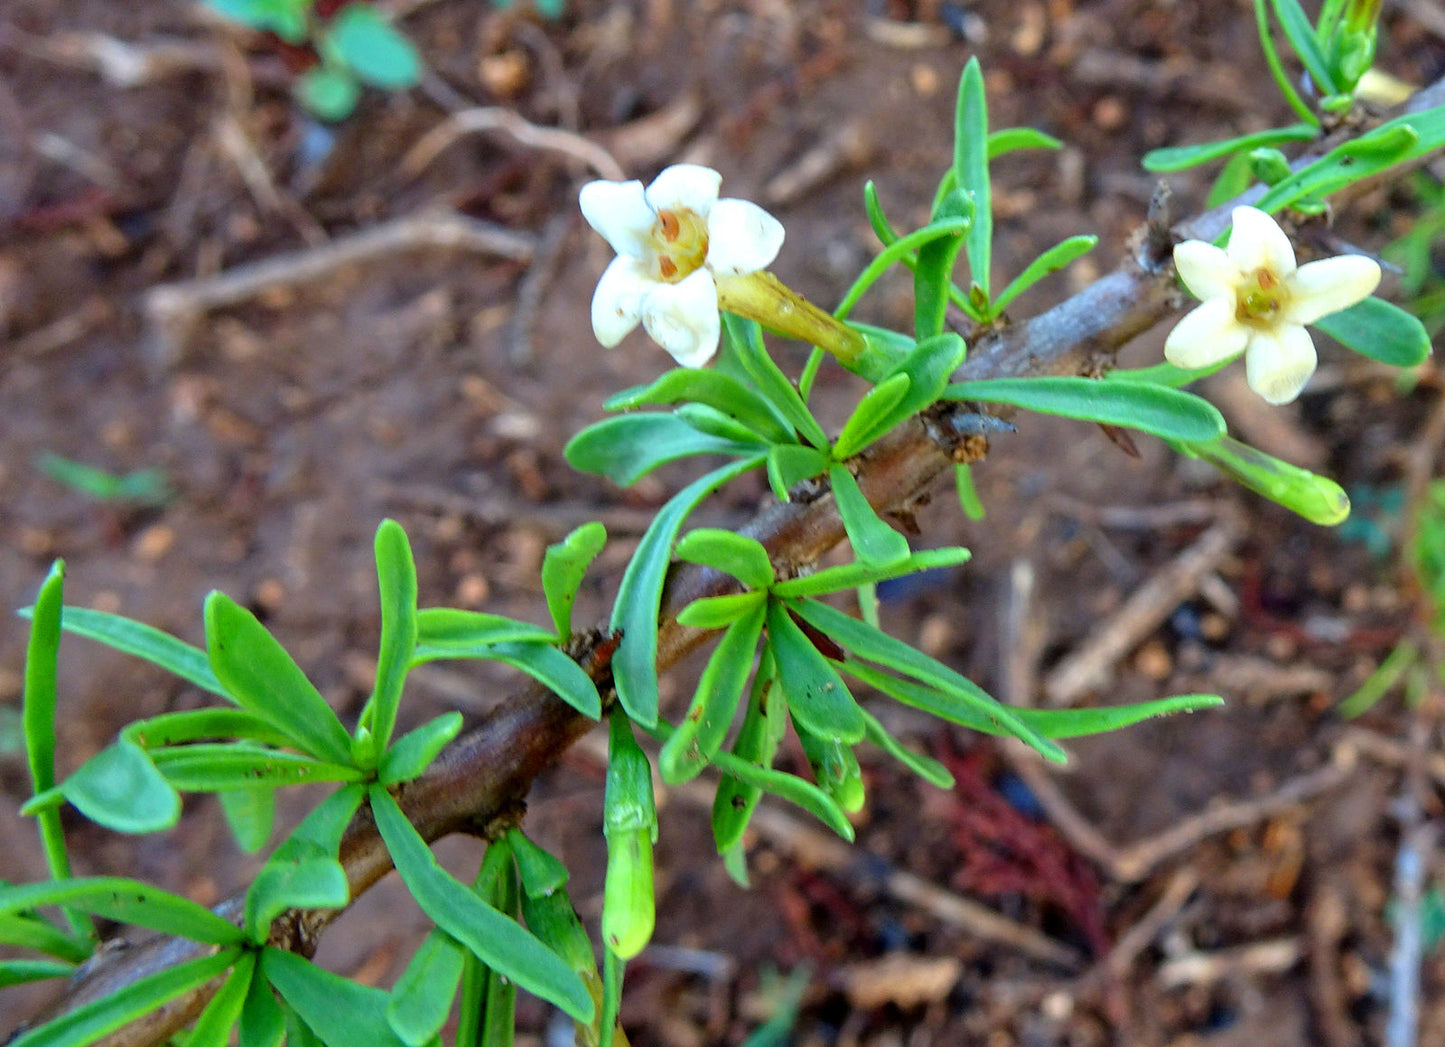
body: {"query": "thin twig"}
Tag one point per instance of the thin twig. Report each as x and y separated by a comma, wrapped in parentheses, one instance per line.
(1205, 968)
(495, 118)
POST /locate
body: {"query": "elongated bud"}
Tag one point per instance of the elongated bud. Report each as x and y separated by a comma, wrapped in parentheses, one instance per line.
(836, 768)
(629, 821)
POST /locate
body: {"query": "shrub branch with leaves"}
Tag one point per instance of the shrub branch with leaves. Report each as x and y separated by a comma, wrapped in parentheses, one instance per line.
(690, 269)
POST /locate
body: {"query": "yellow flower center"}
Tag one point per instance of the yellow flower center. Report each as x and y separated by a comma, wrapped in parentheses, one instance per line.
(1260, 298)
(679, 242)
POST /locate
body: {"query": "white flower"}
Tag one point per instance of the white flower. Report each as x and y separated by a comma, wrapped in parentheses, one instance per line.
(671, 239)
(1257, 302)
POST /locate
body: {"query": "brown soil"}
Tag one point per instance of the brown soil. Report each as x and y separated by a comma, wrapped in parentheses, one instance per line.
(439, 387)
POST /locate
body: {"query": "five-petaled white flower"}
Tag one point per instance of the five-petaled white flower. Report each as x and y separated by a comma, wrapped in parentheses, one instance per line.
(671, 239)
(1256, 301)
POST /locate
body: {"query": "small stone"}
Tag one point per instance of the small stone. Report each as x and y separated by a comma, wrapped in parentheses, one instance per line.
(1153, 661)
(154, 542)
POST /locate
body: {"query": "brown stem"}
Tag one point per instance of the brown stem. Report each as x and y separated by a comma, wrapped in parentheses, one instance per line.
(487, 772)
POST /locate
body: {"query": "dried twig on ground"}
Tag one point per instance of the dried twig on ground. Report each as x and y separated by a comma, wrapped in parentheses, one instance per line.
(172, 310)
(495, 118)
(1201, 968)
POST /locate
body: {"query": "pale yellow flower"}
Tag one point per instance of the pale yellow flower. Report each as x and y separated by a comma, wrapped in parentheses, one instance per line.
(1256, 302)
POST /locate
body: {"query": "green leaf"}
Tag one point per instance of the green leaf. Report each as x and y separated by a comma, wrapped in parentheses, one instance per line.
(790, 464)
(263, 1024)
(213, 1027)
(817, 696)
(341, 1012)
(554, 670)
(125, 901)
(639, 596)
(1180, 157)
(207, 768)
(1011, 139)
(379, 55)
(540, 872)
(899, 251)
(193, 725)
(836, 768)
(251, 814)
(93, 1020)
(970, 167)
(718, 612)
(1380, 330)
(396, 582)
(876, 646)
(566, 562)
(717, 390)
(873, 541)
(1051, 261)
(626, 449)
(933, 268)
(17, 972)
(320, 831)
(497, 941)
(745, 339)
(286, 18)
(1165, 374)
(712, 422)
(143, 641)
(32, 931)
(329, 92)
(789, 787)
(261, 676)
(738, 555)
(120, 788)
(422, 997)
(757, 741)
(442, 627)
(852, 575)
(927, 768)
(416, 749)
(1168, 413)
(968, 499)
(927, 367)
(715, 702)
(1301, 36)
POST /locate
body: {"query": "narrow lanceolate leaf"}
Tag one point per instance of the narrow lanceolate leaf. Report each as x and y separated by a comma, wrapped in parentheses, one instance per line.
(639, 596)
(251, 814)
(341, 1012)
(213, 1027)
(1051, 261)
(422, 998)
(715, 389)
(927, 366)
(416, 749)
(790, 464)
(540, 872)
(715, 703)
(927, 768)
(263, 1024)
(718, 612)
(738, 555)
(497, 940)
(626, 449)
(211, 768)
(1010, 139)
(262, 677)
(852, 575)
(862, 424)
(439, 628)
(31, 931)
(554, 670)
(125, 901)
(1300, 33)
(565, 564)
(877, 646)
(193, 725)
(757, 742)
(90, 1021)
(933, 268)
(1168, 413)
(120, 788)
(817, 696)
(396, 581)
(745, 338)
(143, 641)
(309, 883)
(1380, 330)
(788, 787)
(970, 166)
(17, 972)
(38, 716)
(873, 541)
(1179, 157)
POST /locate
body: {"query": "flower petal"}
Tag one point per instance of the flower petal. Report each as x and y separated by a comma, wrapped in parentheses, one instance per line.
(741, 238)
(617, 303)
(1258, 242)
(1206, 270)
(1279, 362)
(689, 187)
(1206, 336)
(683, 318)
(1329, 285)
(619, 211)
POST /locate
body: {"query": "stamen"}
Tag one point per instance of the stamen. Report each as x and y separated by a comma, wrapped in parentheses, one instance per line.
(666, 268)
(669, 225)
